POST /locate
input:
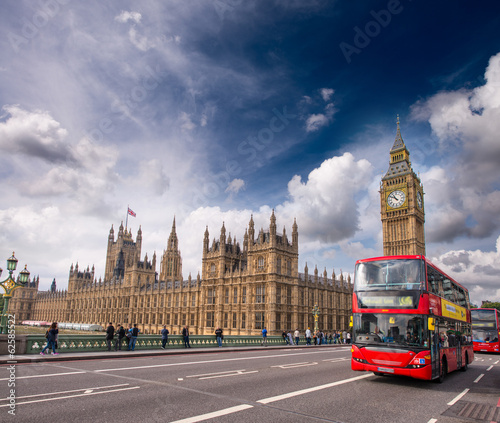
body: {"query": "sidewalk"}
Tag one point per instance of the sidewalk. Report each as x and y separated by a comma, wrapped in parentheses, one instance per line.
(37, 358)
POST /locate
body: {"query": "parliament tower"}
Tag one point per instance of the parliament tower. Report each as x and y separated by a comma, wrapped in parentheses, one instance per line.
(402, 204)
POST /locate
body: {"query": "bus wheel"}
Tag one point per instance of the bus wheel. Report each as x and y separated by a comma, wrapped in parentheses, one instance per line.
(466, 364)
(443, 371)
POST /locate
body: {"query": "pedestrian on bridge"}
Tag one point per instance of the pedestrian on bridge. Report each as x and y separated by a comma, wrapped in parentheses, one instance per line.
(185, 334)
(51, 339)
(110, 334)
(308, 336)
(164, 336)
(120, 334)
(218, 336)
(264, 337)
(296, 335)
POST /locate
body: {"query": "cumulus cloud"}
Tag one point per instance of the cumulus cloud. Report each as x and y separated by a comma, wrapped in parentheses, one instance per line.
(34, 134)
(325, 203)
(477, 270)
(465, 199)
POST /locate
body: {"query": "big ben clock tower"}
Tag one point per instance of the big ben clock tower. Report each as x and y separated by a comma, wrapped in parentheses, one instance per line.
(402, 204)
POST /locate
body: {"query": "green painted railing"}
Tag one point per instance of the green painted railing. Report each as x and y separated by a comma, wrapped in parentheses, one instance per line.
(90, 343)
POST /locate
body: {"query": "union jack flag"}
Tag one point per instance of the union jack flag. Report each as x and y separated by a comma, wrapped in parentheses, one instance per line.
(130, 212)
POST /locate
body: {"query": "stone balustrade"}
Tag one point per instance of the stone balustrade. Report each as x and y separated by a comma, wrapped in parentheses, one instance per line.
(97, 342)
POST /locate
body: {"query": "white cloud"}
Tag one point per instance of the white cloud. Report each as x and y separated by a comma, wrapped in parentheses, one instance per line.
(326, 93)
(316, 121)
(235, 186)
(34, 134)
(186, 124)
(477, 270)
(126, 16)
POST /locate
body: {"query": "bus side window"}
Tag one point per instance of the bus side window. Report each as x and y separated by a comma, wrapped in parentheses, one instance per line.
(431, 280)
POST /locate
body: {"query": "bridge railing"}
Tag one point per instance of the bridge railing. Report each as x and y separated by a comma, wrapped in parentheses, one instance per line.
(94, 343)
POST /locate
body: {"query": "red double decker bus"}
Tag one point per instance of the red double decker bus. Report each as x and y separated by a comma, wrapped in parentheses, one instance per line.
(486, 329)
(409, 318)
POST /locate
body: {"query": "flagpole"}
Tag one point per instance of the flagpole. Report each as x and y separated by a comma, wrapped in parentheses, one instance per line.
(126, 220)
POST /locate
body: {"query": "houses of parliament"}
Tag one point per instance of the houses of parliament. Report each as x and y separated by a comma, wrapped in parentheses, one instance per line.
(242, 287)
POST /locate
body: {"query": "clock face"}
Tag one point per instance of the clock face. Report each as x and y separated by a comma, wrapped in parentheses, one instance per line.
(396, 199)
(419, 199)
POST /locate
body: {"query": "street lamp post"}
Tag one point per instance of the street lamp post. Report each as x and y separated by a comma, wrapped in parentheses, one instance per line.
(316, 315)
(9, 285)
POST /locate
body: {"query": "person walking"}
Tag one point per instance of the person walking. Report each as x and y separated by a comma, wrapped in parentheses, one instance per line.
(110, 334)
(51, 339)
(120, 334)
(164, 337)
(264, 337)
(289, 335)
(185, 334)
(219, 336)
(308, 336)
(344, 337)
(348, 337)
(296, 335)
(285, 338)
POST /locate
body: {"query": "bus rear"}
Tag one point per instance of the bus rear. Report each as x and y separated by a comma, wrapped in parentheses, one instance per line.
(485, 329)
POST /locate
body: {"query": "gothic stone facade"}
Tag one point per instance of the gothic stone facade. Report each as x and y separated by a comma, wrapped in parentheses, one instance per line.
(241, 289)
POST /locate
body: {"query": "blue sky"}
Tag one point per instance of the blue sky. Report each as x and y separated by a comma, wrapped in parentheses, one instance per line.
(216, 110)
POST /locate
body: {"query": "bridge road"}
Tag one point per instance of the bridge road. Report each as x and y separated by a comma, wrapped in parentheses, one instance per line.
(286, 385)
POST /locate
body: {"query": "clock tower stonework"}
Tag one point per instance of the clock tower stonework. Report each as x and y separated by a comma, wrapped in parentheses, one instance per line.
(402, 204)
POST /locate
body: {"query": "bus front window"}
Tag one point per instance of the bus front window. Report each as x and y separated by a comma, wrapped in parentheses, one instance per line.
(389, 274)
(395, 329)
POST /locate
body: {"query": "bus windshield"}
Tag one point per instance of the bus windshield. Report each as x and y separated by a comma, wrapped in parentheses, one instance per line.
(390, 329)
(389, 274)
(484, 326)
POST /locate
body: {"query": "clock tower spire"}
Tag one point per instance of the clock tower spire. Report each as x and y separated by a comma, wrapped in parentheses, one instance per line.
(402, 204)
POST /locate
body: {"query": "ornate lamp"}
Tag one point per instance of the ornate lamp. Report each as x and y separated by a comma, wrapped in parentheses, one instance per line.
(9, 285)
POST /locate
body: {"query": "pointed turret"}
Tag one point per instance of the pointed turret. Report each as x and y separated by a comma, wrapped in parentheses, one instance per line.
(400, 157)
(251, 231)
(295, 234)
(272, 225)
(222, 236)
(206, 241)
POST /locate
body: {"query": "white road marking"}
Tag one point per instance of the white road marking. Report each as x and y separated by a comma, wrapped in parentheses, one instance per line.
(72, 396)
(231, 374)
(66, 392)
(217, 373)
(496, 362)
(52, 374)
(313, 389)
(336, 360)
(242, 407)
(294, 365)
(489, 368)
(479, 378)
(227, 373)
(432, 421)
(454, 400)
(215, 414)
(225, 360)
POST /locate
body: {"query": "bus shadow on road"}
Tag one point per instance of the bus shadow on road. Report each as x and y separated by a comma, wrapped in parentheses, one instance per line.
(449, 383)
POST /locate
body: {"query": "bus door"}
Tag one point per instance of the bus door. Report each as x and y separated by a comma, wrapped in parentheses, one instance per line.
(434, 344)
